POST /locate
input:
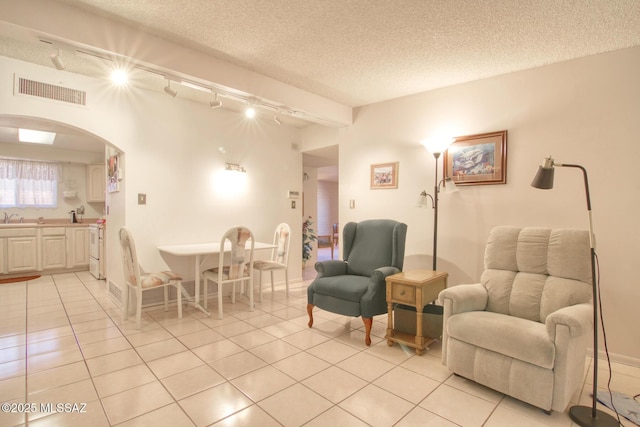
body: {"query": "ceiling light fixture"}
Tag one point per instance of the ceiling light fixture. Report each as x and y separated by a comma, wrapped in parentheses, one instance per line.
(57, 60)
(250, 112)
(277, 120)
(169, 91)
(36, 136)
(119, 77)
(234, 167)
(216, 103)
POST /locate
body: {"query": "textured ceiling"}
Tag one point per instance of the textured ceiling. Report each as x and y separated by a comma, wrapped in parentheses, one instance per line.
(358, 52)
(354, 52)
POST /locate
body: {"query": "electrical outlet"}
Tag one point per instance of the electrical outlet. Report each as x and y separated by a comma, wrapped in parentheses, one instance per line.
(142, 199)
(293, 204)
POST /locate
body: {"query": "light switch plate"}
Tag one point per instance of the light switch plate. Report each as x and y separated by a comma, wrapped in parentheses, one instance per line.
(142, 199)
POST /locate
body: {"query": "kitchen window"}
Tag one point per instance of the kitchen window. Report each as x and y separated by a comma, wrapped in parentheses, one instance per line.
(28, 184)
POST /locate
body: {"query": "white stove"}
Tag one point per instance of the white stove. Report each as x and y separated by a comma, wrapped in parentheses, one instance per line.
(96, 251)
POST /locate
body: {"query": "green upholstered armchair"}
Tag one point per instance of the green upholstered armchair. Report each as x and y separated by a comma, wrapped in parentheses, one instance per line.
(372, 250)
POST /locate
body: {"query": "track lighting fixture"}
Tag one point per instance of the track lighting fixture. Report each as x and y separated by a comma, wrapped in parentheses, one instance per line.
(250, 112)
(57, 60)
(170, 91)
(234, 167)
(216, 103)
(277, 120)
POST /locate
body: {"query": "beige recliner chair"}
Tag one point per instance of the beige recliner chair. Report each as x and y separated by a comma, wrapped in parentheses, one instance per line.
(525, 328)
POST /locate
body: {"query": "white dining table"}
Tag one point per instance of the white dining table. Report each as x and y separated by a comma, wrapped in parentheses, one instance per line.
(201, 251)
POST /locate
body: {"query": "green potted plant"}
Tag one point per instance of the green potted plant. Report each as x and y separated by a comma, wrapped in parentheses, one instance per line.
(308, 236)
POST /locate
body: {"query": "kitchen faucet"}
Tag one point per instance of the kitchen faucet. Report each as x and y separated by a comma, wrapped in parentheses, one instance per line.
(7, 217)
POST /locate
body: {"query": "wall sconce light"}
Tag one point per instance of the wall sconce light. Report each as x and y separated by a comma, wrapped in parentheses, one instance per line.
(216, 103)
(169, 91)
(57, 60)
(234, 167)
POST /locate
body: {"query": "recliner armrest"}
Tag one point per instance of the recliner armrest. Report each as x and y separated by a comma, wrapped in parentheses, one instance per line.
(331, 268)
(465, 298)
(578, 318)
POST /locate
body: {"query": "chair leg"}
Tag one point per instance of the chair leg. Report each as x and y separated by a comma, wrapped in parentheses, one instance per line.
(125, 302)
(310, 313)
(368, 322)
(260, 284)
(219, 300)
(233, 293)
(250, 286)
(138, 308)
(179, 291)
(272, 290)
(166, 298)
(205, 288)
(286, 280)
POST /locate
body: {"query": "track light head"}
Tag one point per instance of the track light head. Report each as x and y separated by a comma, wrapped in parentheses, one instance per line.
(169, 91)
(57, 60)
(216, 103)
(250, 112)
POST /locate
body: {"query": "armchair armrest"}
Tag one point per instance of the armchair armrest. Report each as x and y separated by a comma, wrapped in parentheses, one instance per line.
(577, 318)
(380, 274)
(464, 298)
(331, 268)
(374, 301)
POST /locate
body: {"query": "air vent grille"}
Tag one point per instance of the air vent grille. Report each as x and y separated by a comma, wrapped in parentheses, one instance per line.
(115, 291)
(49, 91)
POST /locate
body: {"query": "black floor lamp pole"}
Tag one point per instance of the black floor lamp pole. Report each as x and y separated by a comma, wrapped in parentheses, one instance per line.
(582, 415)
(435, 215)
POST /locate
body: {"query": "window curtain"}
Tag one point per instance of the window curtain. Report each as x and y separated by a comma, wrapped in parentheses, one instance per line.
(28, 184)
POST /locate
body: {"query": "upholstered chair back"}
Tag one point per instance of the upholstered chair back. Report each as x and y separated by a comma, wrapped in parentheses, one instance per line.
(371, 244)
(531, 272)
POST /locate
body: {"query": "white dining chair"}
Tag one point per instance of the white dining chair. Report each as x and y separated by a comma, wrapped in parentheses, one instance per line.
(279, 257)
(137, 280)
(238, 242)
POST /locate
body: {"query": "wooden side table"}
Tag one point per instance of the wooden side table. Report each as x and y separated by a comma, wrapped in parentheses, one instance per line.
(414, 288)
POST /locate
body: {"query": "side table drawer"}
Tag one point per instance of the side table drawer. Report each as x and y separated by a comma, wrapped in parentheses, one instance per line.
(403, 293)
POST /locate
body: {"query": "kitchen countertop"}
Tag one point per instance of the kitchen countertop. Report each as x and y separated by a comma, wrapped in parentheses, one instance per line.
(49, 223)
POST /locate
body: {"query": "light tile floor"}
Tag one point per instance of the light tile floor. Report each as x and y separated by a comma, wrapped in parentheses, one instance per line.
(63, 341)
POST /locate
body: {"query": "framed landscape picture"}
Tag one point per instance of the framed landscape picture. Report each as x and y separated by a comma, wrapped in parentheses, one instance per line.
(384, 175)
(477, 159)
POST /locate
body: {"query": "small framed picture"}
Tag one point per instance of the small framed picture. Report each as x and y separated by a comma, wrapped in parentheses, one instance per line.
(477, 159)
(384, 175)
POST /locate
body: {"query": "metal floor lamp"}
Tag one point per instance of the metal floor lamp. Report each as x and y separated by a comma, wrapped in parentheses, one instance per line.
(436, 147)
(582, 415)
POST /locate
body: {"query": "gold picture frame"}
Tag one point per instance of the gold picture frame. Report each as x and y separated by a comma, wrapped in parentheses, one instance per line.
(384, 175)
(477, 159)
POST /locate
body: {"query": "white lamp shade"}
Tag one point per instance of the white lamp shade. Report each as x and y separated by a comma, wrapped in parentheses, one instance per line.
(437, 145)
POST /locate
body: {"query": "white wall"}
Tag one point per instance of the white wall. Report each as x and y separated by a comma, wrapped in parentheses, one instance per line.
(174, 151)
(583, 111)
(327, 206)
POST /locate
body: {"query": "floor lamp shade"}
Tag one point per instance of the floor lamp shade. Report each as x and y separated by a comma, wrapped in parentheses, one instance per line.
(543, 179)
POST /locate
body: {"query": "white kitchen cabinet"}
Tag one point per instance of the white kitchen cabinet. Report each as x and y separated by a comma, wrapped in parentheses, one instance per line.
(77, 247)
(54, 248)
(22, 254)
(3, 254)
(96, 182)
